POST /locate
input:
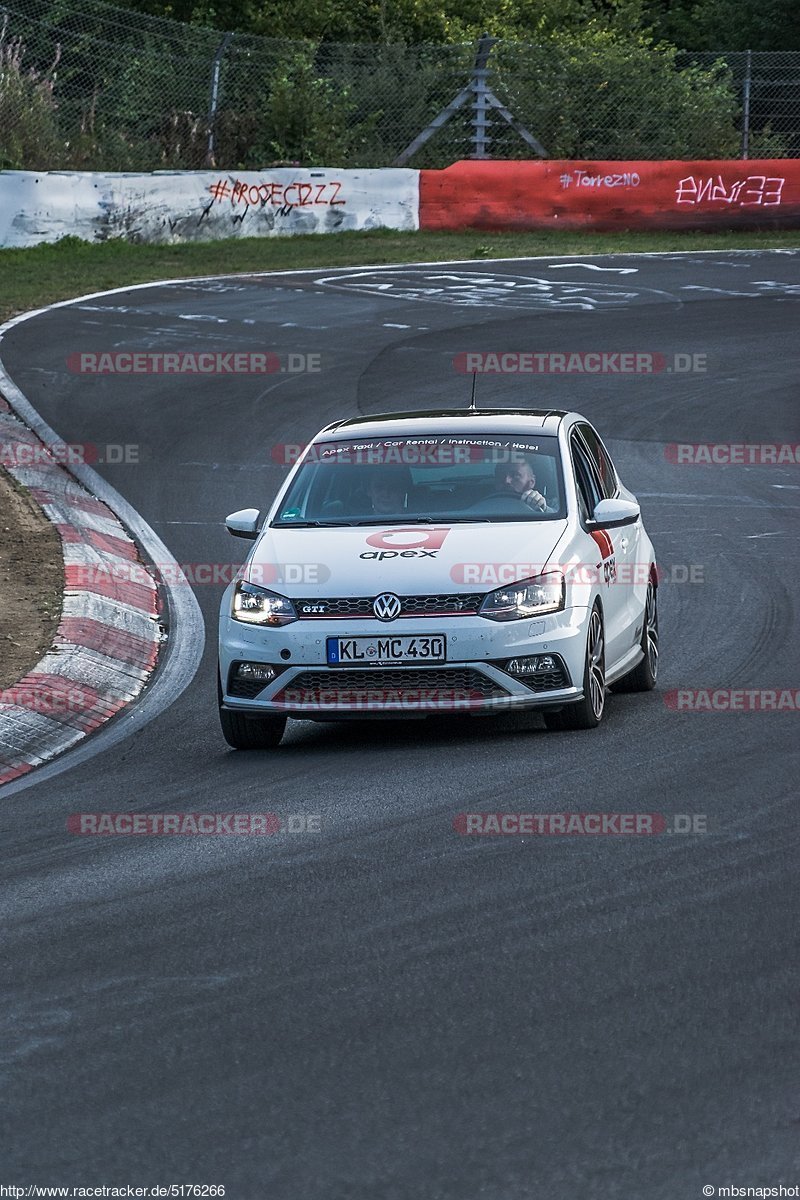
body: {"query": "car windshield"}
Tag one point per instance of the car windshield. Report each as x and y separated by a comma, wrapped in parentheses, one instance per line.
(436, 478)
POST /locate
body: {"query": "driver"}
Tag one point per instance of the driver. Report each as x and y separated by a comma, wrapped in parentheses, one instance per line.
(388, 489)
(518, 477)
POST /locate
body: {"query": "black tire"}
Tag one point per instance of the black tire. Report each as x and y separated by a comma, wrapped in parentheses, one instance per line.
(643, 677)
(588, 712)
(249, 733)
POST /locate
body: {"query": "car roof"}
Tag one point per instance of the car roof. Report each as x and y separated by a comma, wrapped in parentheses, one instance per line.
(448, 421)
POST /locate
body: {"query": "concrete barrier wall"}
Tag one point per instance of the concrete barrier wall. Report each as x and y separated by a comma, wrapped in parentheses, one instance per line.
(201, 206)
(198, 206)
(612, 195)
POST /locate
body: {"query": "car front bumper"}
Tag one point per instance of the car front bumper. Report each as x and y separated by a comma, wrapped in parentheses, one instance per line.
(470, 681)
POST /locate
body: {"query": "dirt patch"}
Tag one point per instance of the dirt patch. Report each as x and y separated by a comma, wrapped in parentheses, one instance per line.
(31, 581)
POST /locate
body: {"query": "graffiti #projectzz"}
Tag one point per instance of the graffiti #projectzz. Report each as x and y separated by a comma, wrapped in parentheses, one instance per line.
(282, 195)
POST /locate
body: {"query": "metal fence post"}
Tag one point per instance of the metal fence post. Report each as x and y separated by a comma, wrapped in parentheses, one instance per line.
(481, 120)
(484, 100)
(748, 79)
(213, 100)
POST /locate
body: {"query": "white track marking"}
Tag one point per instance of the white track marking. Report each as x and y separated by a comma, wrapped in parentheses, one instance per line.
(593, 267)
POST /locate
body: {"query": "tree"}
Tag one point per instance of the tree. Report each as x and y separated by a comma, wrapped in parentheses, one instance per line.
(726, 24)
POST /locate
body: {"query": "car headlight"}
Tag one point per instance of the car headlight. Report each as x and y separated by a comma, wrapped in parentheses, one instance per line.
(528, 598)
(258, 606)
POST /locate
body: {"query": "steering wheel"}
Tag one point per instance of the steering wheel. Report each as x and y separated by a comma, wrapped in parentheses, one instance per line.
(497, 501)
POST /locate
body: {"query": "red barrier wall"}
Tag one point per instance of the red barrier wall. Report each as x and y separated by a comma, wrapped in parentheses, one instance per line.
(612, 195)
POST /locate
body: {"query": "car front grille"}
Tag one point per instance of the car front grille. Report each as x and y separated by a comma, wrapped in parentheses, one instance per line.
(245, 689)
(545, 681)
(434, 687)
(458, 604)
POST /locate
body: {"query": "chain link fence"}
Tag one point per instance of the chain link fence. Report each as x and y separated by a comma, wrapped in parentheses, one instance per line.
(766, 85)
(104, 88)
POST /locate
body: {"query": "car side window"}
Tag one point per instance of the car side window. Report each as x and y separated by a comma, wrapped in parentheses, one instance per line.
(589, 494)
(600, 461)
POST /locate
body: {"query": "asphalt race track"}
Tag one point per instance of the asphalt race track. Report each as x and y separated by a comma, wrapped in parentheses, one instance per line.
(384, 1009)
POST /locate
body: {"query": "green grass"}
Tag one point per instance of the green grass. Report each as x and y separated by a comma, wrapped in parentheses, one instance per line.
(42, 274)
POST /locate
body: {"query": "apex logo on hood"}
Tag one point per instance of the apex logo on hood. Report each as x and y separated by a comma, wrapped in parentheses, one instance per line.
(405, 543)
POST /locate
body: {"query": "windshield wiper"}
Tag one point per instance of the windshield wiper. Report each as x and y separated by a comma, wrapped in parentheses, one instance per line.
(309, 524)
(381, 521)
(422, 521)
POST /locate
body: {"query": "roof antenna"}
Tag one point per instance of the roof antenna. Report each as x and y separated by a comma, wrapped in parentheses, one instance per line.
(472, 397)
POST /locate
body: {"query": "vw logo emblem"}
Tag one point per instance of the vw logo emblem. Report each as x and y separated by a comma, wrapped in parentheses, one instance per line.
(386, 606)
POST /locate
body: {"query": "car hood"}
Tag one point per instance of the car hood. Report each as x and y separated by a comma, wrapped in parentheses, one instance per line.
(410, 560)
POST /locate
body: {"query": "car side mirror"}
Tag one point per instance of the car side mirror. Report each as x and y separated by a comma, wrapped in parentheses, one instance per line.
(611, 514)
(244, 523)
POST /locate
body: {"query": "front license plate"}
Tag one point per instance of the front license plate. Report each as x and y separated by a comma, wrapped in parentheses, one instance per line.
(368, 651)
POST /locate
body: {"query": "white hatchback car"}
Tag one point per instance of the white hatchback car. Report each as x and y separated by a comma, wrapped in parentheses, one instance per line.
(423, 563)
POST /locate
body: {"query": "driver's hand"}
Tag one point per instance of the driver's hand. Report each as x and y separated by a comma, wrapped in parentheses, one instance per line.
(535, 500)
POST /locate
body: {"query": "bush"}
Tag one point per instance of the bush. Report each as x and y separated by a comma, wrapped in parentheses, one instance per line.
(29, 138)
(602, 98)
